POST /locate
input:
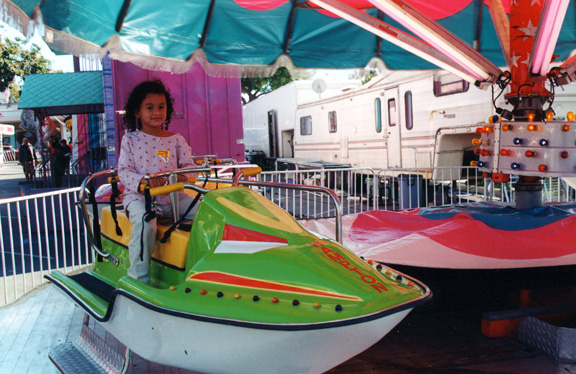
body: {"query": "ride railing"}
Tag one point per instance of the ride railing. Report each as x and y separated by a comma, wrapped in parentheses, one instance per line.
(407, 188)
(324, 193)
(40, 233)
(363, 189)
(44, 175)
(46, 231)
(353, 187)
(559, 190)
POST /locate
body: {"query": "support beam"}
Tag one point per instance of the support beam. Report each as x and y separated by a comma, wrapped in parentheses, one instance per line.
(441, 39)
(399, 38)
(502, 26)
(549, 25)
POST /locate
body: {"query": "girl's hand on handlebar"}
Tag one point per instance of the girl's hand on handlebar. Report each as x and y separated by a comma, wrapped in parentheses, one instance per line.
(187, 178)
(154, 182)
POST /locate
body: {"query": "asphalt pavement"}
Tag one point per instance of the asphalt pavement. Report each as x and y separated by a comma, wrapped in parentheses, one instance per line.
(11, 174)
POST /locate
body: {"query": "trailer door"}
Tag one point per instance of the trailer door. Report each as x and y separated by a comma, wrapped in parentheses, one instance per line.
(393, 127)
(273, 133)
(287, 144)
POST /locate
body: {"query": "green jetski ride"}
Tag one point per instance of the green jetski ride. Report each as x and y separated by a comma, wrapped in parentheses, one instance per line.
(244, 288)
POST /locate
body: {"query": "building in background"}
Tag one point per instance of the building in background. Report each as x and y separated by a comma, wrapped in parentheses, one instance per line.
(86, 109)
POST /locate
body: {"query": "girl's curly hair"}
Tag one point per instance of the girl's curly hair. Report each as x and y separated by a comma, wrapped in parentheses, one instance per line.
(137, 96)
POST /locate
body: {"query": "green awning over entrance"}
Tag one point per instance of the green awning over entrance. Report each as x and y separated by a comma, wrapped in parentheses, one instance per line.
(63, 93)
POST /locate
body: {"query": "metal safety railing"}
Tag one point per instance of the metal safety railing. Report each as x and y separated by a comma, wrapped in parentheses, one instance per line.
(322, 192)
(353, 186)
(45, 232)
(559, 189)
(40, 233)
(363, 189)
(407, 188)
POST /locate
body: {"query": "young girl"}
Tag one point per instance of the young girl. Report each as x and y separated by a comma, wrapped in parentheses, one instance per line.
(147, 148)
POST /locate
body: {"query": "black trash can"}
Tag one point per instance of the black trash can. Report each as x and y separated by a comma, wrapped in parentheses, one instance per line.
(411, 191)
(256, 157)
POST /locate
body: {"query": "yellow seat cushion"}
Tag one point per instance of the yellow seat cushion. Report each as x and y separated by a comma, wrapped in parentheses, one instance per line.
(108, 227)
(172, 253)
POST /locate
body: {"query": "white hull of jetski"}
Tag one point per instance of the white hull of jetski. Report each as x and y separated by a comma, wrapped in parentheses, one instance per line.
(221, 348)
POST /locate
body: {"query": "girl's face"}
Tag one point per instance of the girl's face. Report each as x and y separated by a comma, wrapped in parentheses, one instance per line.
(152, 113)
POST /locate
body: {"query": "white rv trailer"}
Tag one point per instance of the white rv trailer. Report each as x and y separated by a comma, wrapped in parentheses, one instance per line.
(403, 120)
(406, 119)
(269, 121)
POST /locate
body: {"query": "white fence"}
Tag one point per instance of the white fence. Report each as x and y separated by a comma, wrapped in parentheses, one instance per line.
(45, 232)
(414, 188)
(352, 186)
(363, 189)
(40, 233)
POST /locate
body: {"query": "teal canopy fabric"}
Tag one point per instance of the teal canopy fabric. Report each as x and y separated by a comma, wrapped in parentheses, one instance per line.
(63, 93)
(232, 37)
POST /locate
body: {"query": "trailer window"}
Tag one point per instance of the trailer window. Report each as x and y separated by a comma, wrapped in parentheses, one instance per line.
(332, 121)
(306, 125)
(409, 113)
(392, 114)
(449, 88)
(378, 114)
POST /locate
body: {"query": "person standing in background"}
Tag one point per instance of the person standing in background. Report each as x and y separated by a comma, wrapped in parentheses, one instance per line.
(67, 152)
(27, 158)
(58, 161)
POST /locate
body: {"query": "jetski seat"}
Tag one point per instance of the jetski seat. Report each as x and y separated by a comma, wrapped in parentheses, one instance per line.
(172, 253)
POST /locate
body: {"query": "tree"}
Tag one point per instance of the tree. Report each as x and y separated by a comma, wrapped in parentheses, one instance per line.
(364, 76)
(255, 87)
(15, 91)
(17, 61)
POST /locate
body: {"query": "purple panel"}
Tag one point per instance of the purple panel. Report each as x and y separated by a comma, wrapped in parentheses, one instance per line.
(226, 117)
(197, 111)
(236, 124)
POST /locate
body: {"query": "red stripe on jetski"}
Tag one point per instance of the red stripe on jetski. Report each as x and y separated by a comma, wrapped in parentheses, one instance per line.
(238, 233)
(223, 278)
